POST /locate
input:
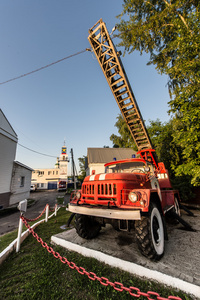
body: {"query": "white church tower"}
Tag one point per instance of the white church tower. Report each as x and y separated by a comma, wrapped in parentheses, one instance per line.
(63, 163)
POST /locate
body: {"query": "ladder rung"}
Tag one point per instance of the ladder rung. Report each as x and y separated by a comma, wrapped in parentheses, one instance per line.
(127, 105)
(136, 131)
(144, 145)
(133, 119)
(118, 88)
(141, 138)
(124, 99)
(112, 74)
(130, 113)
(117, 81)
(122, 93)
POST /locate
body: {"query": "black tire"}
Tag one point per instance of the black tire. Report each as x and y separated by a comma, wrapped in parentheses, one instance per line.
(150, 234)
(86, 226)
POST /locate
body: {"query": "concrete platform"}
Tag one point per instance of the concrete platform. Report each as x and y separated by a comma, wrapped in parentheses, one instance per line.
(180, 266)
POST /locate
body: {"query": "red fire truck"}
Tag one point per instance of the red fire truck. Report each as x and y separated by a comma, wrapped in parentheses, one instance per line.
(62, 185)
(133, 194)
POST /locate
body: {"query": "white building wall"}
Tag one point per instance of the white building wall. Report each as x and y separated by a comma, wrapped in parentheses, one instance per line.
(7, 156)
(95, 168)
(19, 190)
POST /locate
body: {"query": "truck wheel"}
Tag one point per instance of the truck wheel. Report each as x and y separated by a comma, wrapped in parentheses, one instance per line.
(86, 226)
(150, 234)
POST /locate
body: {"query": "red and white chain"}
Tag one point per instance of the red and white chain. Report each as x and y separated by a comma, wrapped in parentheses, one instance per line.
(133, 291)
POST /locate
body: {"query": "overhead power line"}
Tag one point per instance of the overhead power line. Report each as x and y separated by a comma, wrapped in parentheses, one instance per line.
(37, 151)
(44, 67)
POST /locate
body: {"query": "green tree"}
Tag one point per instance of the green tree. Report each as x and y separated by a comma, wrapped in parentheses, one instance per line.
(169, 31)
(161, 135)
(124, 139)
(82, 173)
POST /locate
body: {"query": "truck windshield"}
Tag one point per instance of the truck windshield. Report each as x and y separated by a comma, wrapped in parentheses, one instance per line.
(129, 167)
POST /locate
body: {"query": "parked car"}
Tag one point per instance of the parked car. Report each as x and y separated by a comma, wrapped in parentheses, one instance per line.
(32, 188)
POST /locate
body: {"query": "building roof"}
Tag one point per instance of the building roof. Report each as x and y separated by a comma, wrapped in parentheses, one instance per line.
(104, 155)
(22, 165)
(5, 127)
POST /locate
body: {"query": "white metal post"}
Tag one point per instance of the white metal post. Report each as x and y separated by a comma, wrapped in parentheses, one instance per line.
(47, 213)
(19, 235)
(56, 209)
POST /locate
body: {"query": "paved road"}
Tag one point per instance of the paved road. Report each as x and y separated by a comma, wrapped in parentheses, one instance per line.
(10, 222)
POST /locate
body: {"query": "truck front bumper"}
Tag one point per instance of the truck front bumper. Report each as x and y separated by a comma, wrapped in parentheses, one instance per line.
(113, 213)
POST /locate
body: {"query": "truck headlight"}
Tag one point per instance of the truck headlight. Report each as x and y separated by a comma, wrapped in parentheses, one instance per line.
(133, 197)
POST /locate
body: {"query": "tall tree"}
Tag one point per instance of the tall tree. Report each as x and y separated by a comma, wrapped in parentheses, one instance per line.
(124, 139)
(161, 135)
(82, 172)
(169, 30)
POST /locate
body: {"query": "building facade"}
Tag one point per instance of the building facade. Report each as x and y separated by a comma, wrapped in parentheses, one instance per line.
(48, 178)
(11, 190)
(20, 183)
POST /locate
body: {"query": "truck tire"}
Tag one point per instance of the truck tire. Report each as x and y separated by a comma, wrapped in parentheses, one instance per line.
(86, 226)
(150, 234)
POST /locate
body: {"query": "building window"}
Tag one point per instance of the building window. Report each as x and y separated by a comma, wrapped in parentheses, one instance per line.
(49, 172)
(22, 180)
(56, 172)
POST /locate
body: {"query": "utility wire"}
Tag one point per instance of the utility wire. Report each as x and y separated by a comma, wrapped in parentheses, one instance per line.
(37, 152)
(44, 67)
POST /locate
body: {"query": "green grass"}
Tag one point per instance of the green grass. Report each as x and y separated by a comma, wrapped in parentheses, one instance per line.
(6, 239)
(60, 200)
(34, 273)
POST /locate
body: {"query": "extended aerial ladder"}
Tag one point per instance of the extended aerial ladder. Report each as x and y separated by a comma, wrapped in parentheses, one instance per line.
(110, 62)
(112, 67)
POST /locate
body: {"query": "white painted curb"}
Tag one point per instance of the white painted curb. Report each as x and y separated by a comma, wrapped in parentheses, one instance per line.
(131, 267)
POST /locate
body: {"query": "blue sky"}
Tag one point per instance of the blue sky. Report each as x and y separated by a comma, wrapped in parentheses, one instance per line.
(70, 100)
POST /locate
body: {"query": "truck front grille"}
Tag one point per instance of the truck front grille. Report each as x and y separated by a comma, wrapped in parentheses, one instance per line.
(103, 191)
(107, 191)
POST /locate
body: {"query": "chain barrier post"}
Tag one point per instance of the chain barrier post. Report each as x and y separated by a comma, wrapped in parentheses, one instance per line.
(47, 213)
(22, 207)
(56, 206)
